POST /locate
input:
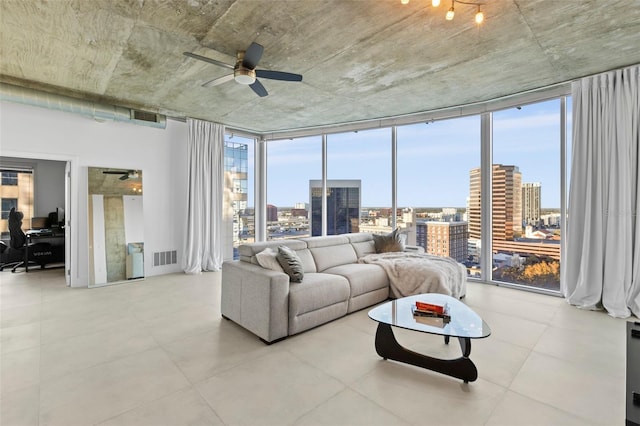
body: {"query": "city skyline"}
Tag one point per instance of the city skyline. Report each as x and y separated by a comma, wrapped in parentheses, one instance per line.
(431, 159)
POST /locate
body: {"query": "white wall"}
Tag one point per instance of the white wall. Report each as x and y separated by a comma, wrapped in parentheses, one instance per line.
(31, 132)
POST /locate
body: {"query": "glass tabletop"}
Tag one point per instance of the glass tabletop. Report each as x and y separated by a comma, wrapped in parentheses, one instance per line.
(464, 322)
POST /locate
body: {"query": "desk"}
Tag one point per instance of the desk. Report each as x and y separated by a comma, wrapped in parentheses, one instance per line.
(54, 253)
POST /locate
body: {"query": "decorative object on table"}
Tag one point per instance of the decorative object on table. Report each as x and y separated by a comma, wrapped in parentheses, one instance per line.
(431, 310)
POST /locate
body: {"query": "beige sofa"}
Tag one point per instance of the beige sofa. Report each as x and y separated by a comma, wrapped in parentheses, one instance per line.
(266, 303)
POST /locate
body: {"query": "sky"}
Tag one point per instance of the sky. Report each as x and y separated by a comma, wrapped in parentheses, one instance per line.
(434, 159)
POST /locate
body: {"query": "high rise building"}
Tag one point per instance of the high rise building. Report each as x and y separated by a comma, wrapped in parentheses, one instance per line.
(343, 206)
(444, 239)
(272, 213)
(531, 192)
(506, 203)
(236, 179)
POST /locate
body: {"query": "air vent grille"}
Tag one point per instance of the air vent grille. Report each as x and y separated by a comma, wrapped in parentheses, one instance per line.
(161, 258)
(144, 116)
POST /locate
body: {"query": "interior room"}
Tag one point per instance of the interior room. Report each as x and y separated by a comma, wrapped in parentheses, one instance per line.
(111, 90)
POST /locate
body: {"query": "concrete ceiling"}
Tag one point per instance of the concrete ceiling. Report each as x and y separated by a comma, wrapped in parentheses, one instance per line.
(361, 59)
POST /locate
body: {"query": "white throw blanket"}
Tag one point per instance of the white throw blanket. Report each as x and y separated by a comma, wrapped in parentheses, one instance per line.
(415, 273)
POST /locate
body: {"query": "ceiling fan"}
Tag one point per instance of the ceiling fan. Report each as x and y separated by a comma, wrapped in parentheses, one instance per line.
(125, 174)
(245, 72)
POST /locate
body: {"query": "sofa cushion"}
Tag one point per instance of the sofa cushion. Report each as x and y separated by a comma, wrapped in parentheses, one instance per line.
(291, 263)
(267, 259)
(362, 243)
(316, 291)
(330, 251)
(248, 252)
(362, 280)
(308, 263)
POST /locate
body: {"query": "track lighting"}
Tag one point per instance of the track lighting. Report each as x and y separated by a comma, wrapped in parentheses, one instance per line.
(450, 13)
(479, 17)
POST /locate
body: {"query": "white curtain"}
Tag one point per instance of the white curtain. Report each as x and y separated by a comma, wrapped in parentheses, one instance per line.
(602, 264)
(203, 242)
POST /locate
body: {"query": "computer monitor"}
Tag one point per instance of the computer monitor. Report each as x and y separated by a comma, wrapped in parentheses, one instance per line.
(39, 222)
(60, 216)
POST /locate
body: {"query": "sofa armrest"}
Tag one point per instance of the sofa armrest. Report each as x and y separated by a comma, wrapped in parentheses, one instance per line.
(256, 298)
(414, 249)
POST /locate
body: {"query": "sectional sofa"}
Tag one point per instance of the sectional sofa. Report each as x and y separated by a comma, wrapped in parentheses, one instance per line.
(269, 303)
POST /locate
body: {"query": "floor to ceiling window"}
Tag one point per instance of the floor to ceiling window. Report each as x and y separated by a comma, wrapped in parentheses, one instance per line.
(526, 195)
(239, 172)
(291, 167)
(359, 182)
(440, 178)
(434, 163)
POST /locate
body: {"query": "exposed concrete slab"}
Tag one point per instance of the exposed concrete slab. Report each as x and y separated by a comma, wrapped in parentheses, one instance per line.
(361, 59)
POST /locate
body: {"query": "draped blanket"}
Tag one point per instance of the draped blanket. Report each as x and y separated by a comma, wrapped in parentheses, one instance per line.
(415, 273)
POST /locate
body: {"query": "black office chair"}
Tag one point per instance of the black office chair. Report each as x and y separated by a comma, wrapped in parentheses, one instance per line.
(13, 254)
(18, 245)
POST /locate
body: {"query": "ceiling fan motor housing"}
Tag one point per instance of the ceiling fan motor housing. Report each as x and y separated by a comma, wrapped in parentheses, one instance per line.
(241, 74)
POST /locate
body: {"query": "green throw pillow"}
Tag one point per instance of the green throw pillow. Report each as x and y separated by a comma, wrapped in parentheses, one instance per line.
(291, 263)
(388, 243)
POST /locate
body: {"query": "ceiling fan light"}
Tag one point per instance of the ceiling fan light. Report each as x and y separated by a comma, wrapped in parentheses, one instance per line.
(404, 1)
(244, 76)
(435, 3)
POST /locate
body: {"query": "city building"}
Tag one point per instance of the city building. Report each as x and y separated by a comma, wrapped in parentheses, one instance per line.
(16, 191)
(506, 203)
(236, 180)
(300, 210)
(531, 193)
(444, 239)
(343, 206)
(272, 213)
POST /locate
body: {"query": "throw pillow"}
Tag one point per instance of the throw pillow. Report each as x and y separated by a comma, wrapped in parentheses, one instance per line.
(267, 259)
(388, 243)
(291, 263)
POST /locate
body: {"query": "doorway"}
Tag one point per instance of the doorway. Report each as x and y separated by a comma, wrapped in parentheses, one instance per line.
(40, 189)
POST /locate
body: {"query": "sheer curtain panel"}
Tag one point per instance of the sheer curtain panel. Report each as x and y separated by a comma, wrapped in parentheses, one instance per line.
(602, 268)
(203, 242)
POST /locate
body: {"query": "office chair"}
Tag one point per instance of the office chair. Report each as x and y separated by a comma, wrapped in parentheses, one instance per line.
(18, 244)
(13, 255)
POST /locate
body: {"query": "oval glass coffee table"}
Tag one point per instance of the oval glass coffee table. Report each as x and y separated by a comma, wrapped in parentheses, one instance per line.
(464, 324)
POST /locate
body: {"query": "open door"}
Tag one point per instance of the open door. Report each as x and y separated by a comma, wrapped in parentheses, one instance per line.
(67, 224)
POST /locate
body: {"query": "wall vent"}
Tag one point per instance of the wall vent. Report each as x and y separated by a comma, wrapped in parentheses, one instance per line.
(144, 116)
(161, 258)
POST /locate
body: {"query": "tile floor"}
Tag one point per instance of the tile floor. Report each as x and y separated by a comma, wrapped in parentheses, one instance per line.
(157, 352)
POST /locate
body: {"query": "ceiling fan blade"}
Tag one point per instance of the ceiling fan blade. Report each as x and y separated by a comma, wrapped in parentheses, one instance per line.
(114, 172)
(204, 58)
(259, 89)
(278, 75)
(124, 177)
(252, 56)
(218, 81)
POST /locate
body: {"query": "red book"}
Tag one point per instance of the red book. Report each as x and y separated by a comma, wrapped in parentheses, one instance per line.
(424, 306)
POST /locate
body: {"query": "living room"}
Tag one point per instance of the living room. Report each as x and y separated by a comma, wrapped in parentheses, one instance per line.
(84, 356)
